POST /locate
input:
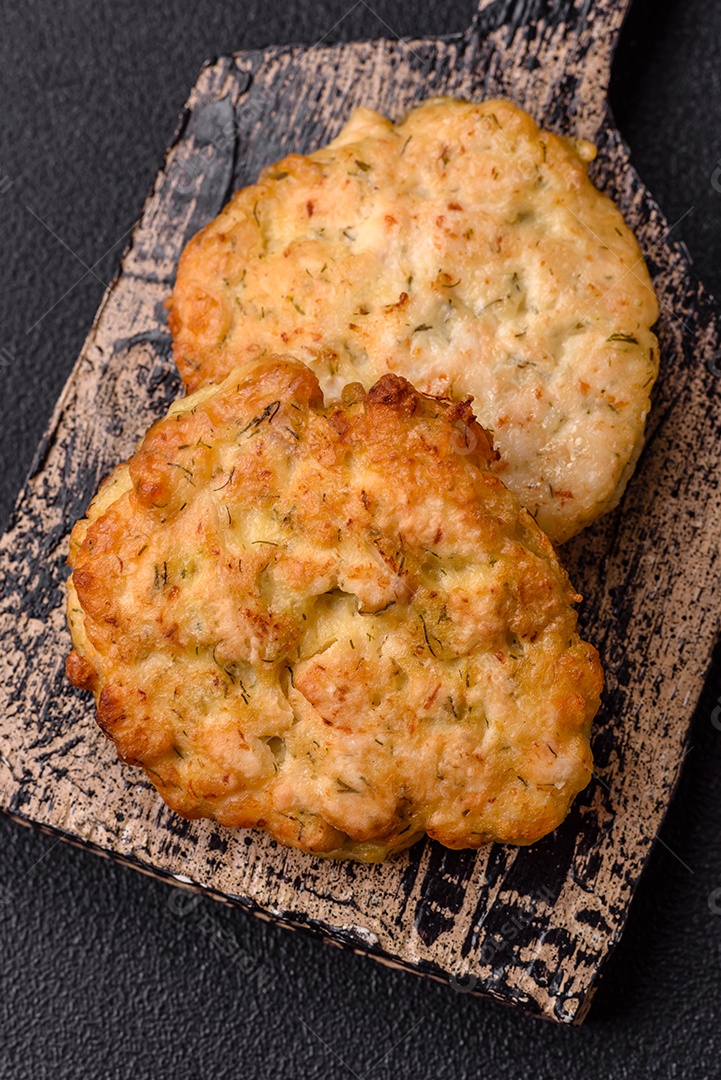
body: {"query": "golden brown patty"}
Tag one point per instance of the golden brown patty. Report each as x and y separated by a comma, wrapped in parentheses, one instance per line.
(465, 249)
(334, 623)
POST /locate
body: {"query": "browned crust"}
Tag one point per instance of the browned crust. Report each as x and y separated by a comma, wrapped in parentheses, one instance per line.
(79, 672)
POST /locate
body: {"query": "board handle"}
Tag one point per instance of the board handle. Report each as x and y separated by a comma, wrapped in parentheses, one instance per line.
(552, 56)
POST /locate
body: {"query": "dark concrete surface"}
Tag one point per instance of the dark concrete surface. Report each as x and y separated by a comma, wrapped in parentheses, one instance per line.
(105, 973)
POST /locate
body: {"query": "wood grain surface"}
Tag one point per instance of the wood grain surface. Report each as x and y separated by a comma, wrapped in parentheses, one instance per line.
(531, 927)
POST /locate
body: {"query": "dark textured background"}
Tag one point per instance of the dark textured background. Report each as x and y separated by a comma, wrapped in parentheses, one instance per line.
(104, 972)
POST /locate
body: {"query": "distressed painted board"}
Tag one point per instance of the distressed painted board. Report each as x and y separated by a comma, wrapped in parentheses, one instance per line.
(530, 927)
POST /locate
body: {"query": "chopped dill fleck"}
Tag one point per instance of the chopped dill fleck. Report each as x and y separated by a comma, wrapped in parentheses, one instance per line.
(161, 579)
(232, 471)
(629, 339)
(173, 465)
(269, 413)
(425, 634)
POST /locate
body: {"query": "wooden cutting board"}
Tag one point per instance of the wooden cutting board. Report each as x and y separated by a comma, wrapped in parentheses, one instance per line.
(531, 927)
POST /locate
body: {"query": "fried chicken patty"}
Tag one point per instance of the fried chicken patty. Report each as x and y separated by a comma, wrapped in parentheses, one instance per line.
(465, 249)
(332, 622)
